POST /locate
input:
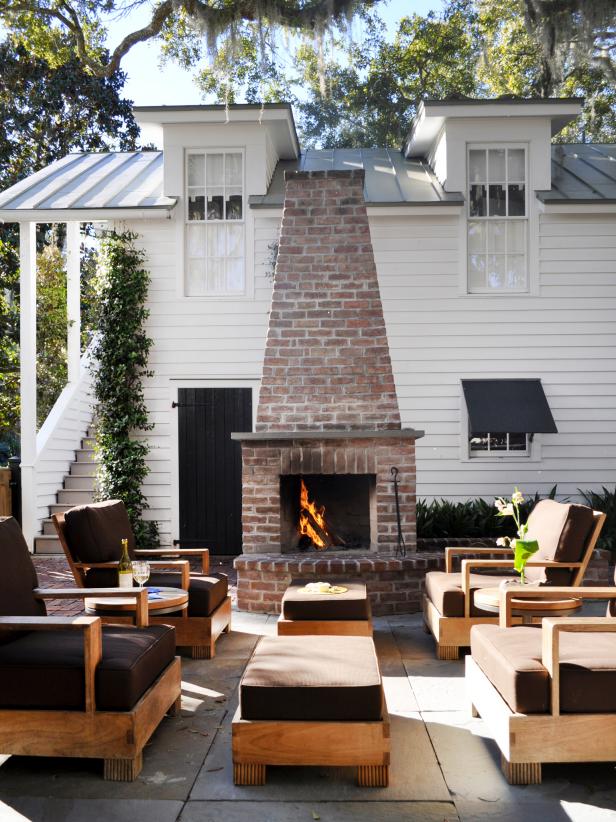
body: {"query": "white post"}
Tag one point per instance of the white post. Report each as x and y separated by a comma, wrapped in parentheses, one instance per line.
(27, 359)
(73, 301)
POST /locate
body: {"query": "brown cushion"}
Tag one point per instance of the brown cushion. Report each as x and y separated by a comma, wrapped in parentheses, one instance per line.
(204, 594)
(44, 669)
(353, 604)
(312, 678)
(94, 533)
(445, 592)
(562, 531)
(18, 576)
(511, 659)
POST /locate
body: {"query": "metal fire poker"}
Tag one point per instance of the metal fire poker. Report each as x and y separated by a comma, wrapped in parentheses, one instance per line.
(401, 547)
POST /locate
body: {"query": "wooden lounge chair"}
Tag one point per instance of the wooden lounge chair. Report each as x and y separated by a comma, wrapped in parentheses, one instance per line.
(546, 694)
(567, 535)
(91, 537)
(68, 685)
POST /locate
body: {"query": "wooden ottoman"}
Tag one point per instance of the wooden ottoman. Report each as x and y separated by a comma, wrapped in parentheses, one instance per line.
(312, 700)
(346, 614)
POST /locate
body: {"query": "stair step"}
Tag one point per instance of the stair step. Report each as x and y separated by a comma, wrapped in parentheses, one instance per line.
(47, 544)
(79, 484)
(85, 455)
(75, 497)
(59, 508)
(83, 469)
(88, 442)
(49, 528)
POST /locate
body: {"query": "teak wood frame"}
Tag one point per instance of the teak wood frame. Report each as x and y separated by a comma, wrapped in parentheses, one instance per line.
(528, 740)
(326, 627)
(257, 743)
(117, 737)
(199, 633)
(453, 633)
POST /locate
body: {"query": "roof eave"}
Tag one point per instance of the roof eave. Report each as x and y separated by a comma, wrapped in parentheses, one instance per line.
(84, 215)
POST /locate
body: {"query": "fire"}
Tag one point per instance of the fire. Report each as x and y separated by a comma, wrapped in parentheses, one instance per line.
(310, 513)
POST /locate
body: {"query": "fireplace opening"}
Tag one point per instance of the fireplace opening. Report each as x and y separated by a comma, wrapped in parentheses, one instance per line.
(327, 512)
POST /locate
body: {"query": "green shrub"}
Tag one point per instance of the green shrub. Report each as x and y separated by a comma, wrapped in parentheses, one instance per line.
(604, 500)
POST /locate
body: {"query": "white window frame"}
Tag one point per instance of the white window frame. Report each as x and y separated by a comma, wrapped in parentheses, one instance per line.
(213, 295)
(525, 220)
(500, 452)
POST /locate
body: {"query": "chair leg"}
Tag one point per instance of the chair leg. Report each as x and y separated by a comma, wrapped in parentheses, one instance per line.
(474, 712)
(373, 776)
(248, 773)
(521, 773)
(176, 707)
(447, 652)
(123, 770)
(203, 651)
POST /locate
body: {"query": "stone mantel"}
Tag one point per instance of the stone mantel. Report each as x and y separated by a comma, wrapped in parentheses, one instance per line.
(330, 434)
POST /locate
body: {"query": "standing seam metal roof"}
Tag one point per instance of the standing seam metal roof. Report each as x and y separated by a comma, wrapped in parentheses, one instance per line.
(582, 173)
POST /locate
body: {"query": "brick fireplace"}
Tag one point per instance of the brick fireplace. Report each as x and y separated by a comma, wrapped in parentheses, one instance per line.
(328, 421)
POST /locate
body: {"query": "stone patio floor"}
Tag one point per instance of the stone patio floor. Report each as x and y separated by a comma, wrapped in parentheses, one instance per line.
(445, 767)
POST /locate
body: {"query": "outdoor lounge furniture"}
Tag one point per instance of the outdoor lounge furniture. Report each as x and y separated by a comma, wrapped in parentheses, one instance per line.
(91, 537)
(567, 534)
(70, 687)
(546, 694)
(312, 700)
(345, 614)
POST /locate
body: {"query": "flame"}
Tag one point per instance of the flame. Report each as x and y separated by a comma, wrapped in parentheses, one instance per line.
(317, 514)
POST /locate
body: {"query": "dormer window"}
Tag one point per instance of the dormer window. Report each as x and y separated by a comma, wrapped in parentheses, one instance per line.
(497, 219)
(215, 263)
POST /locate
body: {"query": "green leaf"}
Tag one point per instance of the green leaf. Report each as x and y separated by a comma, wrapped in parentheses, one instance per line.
(522, 552)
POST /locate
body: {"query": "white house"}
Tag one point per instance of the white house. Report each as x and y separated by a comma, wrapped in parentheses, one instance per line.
(496, 258)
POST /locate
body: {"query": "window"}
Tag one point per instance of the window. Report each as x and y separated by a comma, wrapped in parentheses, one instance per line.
(214, 223)
(498, 445)
(497, 220)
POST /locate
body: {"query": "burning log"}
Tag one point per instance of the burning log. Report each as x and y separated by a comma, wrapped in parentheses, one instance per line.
(312, 523)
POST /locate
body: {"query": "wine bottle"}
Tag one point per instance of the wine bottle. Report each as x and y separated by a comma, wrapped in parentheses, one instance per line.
(125, 570)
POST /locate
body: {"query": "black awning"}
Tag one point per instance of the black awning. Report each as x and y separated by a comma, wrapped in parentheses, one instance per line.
(508, 406)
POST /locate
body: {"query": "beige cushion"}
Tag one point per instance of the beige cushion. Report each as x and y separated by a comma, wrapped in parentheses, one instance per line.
(562, 531)
(445, 592)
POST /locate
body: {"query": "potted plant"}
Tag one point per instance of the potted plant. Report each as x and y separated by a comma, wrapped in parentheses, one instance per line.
(522, 548)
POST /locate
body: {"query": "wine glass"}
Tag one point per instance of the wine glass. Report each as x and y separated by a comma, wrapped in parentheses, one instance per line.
(141, 572)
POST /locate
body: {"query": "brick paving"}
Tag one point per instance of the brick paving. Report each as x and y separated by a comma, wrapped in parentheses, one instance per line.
(53, 572)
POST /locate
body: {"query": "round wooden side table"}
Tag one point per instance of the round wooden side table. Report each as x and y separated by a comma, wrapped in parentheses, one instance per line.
(488, 599)
(168, 601)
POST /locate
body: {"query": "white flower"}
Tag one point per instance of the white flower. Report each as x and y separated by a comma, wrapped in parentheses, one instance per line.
(517, 498)
(506, 510)
(500, 503)
(503, 542)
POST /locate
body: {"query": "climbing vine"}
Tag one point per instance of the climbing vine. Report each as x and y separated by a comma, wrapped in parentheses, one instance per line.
(120, 362)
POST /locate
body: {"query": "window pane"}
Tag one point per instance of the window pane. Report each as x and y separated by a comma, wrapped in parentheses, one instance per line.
(196, 170)
(234, 204)
(516, 200)
(477, 205)
(498, 442)
(498, 203)
(216, 241)
(215, 165)
(476, 237)
(215, 275)
(235, 274)
(496, 165)
(516, 271)
(516, 231)
(214, 204)
(195, 277)
(496, 270)
(479, 442)
(516, 166)
(196, 206)
(517, 442)
(477, 271)
(196, 241)
(496, 235)
(477, 166)
(235, 241)
(233, 170)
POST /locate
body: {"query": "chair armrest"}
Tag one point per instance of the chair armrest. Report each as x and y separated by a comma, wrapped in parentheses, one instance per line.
(85, 566)
(204, 553)
(181, 565)
(141, 597)
(454, 551)
(547, 592)
(551, 630)
(92, 642)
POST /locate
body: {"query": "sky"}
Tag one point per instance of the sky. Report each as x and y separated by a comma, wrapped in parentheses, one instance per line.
(149, 84)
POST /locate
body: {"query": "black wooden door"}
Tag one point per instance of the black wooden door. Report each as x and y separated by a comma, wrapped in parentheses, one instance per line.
(210, 466)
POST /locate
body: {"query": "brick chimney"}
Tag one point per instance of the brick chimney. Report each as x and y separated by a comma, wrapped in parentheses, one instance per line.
(327, 363)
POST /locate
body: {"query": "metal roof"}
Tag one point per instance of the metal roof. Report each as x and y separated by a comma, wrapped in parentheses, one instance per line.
(582, 173)
(390, 179)
(87, 182)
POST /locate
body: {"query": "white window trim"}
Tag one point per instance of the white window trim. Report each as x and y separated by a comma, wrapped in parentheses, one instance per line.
(246, 221)
(532, 455)
(529, 253)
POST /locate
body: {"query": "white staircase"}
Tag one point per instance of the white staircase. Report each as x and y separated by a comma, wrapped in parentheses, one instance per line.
(77, 489)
